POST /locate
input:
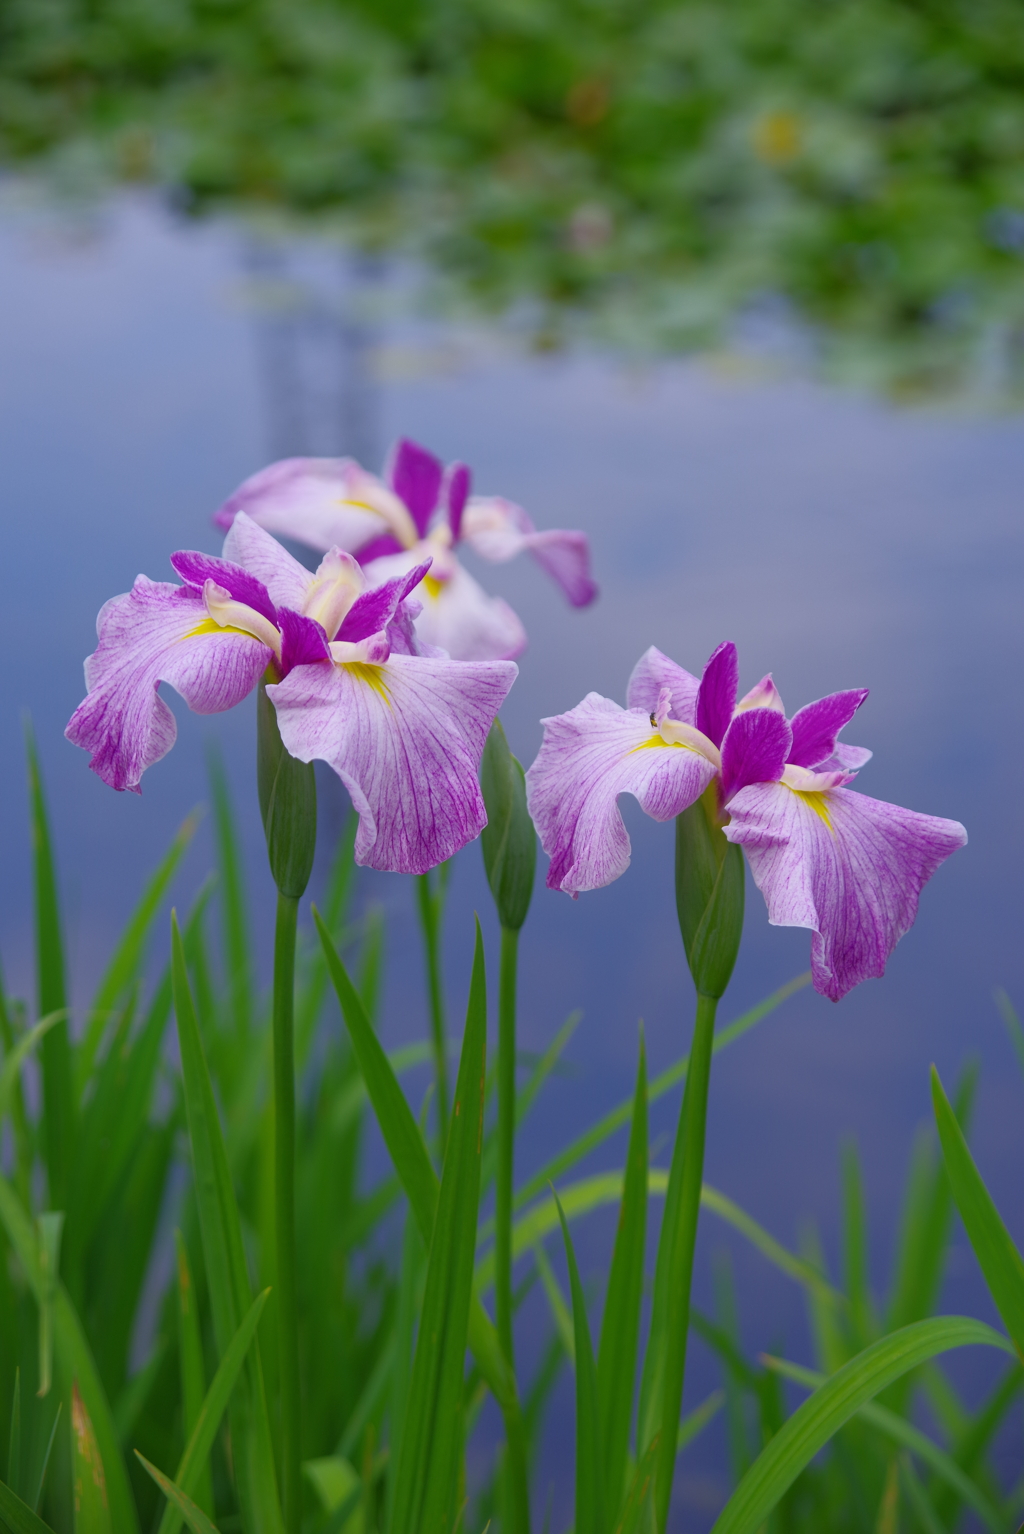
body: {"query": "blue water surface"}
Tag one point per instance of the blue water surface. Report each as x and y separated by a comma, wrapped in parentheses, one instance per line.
(839, 541)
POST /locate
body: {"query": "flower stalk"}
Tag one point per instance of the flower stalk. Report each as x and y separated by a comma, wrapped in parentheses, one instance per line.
(430, 902)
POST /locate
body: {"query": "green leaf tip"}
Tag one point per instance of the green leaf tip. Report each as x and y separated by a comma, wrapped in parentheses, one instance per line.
(508, 841)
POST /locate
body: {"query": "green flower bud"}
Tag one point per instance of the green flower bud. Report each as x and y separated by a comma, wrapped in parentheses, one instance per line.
(508, 840)
(709, 894)
(287, 790)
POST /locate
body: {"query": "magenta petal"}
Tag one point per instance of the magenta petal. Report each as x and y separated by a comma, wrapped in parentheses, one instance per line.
(566, 558)
(851, 870)
(145, 638)
(652, 673)
(457, 483)
(378, 548)
(374, 610)
(755, 750)
(196, 569)
(415, 476)
(815, 727)
(406, 740)
(303, 640)
(716, 697)
(588, 757)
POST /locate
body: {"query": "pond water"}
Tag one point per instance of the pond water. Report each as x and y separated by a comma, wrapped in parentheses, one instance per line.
(840, 541)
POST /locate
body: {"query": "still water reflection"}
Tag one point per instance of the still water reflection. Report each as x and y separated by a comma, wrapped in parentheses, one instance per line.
(839, 542)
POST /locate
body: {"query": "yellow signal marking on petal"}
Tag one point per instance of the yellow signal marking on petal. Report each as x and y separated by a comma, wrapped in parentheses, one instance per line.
(371, 675)
(816, 802)
(432, 587)
(656, 740)
(209, 627)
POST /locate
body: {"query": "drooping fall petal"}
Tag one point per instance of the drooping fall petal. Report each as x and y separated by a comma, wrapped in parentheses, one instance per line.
(498, 530)
(848, 867)
(406, 739)
(589, 756)
(457, 615)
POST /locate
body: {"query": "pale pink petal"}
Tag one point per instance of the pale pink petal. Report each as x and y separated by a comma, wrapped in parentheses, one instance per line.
(145, 638)
(255, 550)
(652, 673)
(406, 739)
(458, 616)
(324, 502)
(498, 530)
(589, 756)
(848, 867)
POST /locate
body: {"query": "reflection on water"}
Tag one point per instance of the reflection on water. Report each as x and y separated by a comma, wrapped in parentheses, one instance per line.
(838, 542)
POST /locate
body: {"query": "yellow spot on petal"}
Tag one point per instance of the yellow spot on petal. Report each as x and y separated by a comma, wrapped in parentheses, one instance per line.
(373, 676)
(209, 627)
(432, 587)
(817, 802)
(656, 740)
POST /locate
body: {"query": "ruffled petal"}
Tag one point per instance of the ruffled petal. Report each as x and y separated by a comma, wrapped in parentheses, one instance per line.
(156, 633)
(498, 530)
(589, 756)
(716, 696)
(406, 740)
(250, 546)
(754, 750)
(457, 615)
(654, 672)
(816, 726)
(323, 502)
(848, 867)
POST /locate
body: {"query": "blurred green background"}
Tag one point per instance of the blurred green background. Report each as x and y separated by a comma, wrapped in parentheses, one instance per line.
(646, 171)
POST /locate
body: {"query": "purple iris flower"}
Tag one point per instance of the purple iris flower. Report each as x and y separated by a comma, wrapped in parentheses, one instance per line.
(825, 857)
(405, 732)
(420, 511)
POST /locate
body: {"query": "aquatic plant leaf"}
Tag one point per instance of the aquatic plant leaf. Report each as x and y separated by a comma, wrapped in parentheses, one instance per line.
(834, 1403)
(591, 1478)
(426, 1486)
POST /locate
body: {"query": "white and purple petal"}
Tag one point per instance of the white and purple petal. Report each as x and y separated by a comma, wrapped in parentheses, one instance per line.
(156, 633)
(251, 546)
(654, 672)
(241, 585)
(457, 617)
(848, 867)
(376, 608)
(498, 530)
(588, 757)
(406, 739)
(323, 502)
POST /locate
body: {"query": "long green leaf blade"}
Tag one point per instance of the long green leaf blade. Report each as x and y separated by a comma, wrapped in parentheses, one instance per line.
(591, 1480)
(190, 1358)
(843, 1394)
(58, 1088)
(18, 1516)
(426, 1485)
(620, 1325)
(998, 1257)
(178, 1499)
(92, 1509)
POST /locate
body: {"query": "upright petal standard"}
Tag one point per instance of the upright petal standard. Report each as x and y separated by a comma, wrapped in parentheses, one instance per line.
(420, 511)
(404, 732)
(823, 855)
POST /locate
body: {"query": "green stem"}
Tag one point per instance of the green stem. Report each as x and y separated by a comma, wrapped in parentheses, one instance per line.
(430, 905)
(689, 1145)
(506, 1140)
(284, 1207)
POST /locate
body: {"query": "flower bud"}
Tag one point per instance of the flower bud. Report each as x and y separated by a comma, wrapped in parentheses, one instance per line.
(709, 894)
(508, 840)
(287, 790)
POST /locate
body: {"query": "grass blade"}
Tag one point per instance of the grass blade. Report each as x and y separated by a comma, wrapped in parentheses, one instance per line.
(75, 1359)
(226, 1273)
(591, 1477)
(92, 1510)
(18, 1516)
(237, 961)
(833, 1404)
(599, 1132)
(1008, 1013)
(14, 1439)
(44, 1467)
(58, 1086)
(560, 1313)
(426, 1484)
(620, 1325)
(907, 1436)
(638, 1505)
(127, 959)
(179, 1500)
(190, 1357)
(197, 1451)
(998, 1257)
